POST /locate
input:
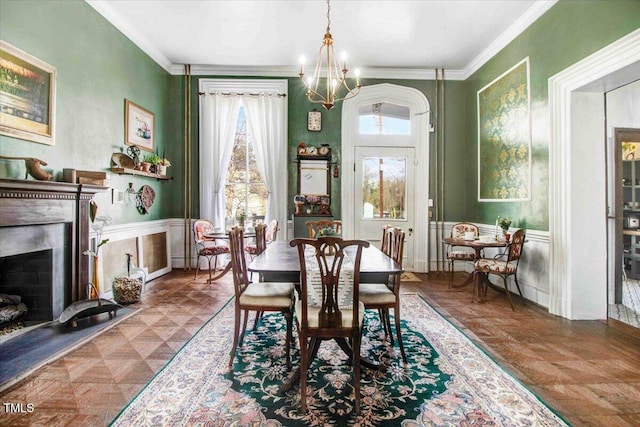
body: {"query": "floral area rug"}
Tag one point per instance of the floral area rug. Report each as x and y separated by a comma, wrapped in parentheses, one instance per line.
(447, 381)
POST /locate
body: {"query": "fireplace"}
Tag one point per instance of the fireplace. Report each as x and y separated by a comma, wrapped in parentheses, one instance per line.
(44, 228)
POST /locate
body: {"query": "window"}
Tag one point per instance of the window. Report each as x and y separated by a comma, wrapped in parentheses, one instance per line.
(245, 191)
(383, 118)
(384, 187)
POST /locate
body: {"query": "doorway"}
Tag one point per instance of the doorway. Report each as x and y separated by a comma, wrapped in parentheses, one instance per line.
(624, 304)
(578, 196)
(401, 116)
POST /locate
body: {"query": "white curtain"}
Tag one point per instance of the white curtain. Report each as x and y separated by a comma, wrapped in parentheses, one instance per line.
(218, 128)
(266, 125)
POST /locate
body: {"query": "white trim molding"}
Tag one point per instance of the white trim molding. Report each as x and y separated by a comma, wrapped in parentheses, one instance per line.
(570, 264)
(420, 123)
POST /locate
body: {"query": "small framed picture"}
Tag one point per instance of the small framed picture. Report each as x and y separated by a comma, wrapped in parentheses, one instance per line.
(27, 96)
(117, 196)
(139, 126)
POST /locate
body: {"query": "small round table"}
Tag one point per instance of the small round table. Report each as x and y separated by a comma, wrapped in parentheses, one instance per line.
(220, 235)
(478, 246)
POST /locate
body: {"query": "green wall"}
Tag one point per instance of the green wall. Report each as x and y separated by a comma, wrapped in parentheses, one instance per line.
(97, 69)
(298, 107)
(567, 33)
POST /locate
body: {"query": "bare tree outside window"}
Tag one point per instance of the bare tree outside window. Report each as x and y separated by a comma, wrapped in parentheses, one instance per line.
(245, 191)
(384, 187)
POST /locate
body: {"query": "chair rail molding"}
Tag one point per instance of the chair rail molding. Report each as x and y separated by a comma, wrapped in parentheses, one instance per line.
(578, 277)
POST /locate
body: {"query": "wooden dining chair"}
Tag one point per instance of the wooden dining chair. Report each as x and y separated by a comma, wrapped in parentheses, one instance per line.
(206, 247)
(271, 234)
(261, 241)
(457, 253)
(329, 307)
(385, 296)
(503, 265)
(324, 227)
(258, 297)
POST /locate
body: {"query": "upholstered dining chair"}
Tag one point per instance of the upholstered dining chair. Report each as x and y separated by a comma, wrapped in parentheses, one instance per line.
(324, 227)
(385, 296)
(329, 307)
(458, 253)
(206, 247)
(258, 297)
(503, 265)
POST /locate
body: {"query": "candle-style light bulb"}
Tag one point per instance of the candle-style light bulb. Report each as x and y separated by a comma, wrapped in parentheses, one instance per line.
(302, 61)
(357, 73)
(343, 58)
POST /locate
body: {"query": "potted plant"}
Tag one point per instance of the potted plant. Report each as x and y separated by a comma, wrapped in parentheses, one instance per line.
(152, 160)
(161, 167)
(504, 224)
(240, 217)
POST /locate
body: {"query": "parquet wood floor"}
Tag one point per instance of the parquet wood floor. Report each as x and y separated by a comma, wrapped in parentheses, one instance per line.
(589, 371)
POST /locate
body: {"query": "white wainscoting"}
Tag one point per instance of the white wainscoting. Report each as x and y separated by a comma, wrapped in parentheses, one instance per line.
(177, 245)
(533, 271)
(136, 230)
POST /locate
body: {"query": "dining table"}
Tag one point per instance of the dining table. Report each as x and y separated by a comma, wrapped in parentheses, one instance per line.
(221, 235)
(280, 262)
(478, 245)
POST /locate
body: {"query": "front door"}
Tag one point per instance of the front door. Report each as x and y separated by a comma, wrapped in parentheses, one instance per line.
(384, 194)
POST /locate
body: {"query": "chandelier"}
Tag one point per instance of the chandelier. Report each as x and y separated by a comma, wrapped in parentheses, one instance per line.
(334, 75)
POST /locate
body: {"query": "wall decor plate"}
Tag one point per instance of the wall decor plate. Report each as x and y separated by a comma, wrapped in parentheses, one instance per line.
(145, 199)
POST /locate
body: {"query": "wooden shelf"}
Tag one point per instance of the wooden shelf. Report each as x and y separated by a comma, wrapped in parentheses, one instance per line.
(127, 171)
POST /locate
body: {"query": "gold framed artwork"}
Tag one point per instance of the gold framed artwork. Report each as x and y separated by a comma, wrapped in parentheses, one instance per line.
(27, 96)
(504, 137)
(139, 126)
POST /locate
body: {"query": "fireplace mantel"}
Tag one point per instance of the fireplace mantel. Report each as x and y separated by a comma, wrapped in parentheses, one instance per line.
(25, 202)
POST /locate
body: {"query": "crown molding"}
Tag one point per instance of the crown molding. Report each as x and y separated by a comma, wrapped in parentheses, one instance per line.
(522, 23)
(103, 8)
(285, 71)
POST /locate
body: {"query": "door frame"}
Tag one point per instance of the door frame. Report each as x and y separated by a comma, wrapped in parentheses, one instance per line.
(420, 125)
(576, 292)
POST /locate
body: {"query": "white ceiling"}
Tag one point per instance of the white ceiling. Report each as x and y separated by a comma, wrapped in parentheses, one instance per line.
(394, 38)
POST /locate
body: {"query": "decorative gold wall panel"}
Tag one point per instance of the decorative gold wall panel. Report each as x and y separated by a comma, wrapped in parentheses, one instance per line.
(504, 137)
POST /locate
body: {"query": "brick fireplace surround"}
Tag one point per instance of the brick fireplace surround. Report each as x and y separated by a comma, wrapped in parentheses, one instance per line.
(38, 216)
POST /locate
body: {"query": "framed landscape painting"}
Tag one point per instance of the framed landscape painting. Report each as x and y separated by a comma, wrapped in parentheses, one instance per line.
(139, 126)
(27, 96)
(504, 137)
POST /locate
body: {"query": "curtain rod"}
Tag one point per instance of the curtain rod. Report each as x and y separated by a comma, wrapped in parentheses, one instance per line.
(282, 95)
